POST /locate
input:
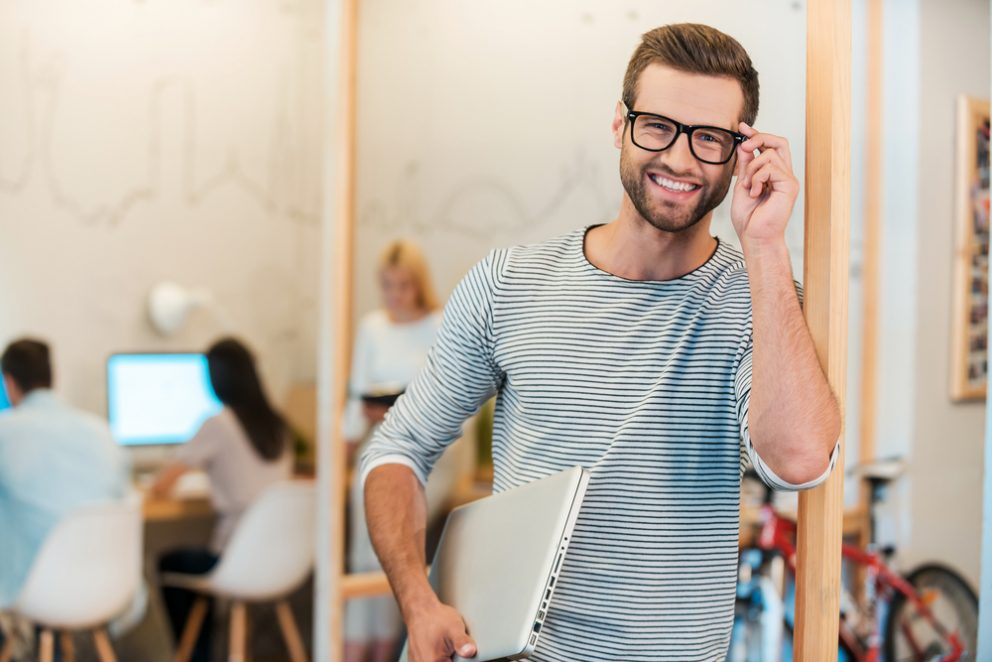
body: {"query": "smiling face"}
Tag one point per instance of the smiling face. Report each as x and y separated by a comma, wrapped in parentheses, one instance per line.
(672, 190)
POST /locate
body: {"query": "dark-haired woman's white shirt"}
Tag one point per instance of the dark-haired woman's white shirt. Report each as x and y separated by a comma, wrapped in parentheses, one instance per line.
(237, 473)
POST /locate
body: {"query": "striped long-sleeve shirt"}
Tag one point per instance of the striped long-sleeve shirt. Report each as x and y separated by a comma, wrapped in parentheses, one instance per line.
(645, 383)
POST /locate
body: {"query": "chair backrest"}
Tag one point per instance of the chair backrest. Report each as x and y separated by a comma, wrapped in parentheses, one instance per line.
(271, 550)
(88, 569)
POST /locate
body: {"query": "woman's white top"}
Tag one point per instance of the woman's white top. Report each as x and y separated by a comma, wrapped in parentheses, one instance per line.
(387, 357)
(237, 473)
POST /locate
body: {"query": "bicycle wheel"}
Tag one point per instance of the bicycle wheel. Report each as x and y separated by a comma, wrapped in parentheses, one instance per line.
(911, 637)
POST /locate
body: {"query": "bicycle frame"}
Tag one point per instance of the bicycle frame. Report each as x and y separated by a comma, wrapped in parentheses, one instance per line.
(777, 535)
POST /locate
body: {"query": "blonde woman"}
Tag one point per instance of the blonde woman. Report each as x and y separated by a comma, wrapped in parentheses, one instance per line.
(391, 346)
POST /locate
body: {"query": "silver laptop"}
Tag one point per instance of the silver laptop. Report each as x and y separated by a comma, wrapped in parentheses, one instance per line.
(499, 557)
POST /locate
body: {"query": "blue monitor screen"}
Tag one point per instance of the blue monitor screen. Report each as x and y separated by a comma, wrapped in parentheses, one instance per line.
(158, 398)
(4, 400)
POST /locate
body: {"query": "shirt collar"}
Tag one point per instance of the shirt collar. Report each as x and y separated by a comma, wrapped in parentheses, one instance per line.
(38, 396)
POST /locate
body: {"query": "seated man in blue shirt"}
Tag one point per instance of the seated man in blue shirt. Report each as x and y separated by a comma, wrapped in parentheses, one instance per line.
(53, 459)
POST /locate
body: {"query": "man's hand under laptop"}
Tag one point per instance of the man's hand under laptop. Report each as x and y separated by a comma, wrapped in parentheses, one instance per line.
(396, 511)
(436, 633)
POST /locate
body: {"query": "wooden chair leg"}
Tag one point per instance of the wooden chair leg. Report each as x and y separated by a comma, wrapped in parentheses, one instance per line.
(247, 654)
(104, 650)
(68, 645)
(294, 644)
(239, 632)
(192, 630)
(47, 647)
(8, 649)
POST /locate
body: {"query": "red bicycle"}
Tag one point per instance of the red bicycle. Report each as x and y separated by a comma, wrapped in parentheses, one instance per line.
(930, 615)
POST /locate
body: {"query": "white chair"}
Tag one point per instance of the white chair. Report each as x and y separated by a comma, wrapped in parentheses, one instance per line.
(270, 554)
(86, 573)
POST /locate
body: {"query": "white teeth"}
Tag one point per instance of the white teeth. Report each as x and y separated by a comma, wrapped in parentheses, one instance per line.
(672, 185)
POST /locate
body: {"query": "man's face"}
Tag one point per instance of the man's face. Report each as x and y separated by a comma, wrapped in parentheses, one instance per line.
(672, 190)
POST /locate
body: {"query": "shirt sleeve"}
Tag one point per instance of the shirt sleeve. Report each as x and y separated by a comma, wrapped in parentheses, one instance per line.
(353, 425)
(460, 374)
(749, 455)
(199, 451)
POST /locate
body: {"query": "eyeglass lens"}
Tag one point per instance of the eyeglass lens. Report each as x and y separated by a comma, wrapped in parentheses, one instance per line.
(710, 145)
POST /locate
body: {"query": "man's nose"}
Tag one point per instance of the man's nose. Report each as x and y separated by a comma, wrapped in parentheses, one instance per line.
(679, 156)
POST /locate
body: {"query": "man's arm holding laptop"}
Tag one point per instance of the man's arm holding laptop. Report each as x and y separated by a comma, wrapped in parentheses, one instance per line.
(396, 511)
(459, 376)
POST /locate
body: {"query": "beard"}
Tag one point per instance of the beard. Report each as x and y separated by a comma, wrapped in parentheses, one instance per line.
(665, 215)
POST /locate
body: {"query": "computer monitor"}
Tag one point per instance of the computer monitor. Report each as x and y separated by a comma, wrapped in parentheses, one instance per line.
(4, 400)
(155, 399)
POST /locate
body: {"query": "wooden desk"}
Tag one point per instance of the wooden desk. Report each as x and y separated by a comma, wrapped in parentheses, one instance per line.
(185, 506)
(176, 508)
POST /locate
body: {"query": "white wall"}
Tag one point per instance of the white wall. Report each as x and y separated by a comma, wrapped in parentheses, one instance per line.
(932, 51)
(167, 139)
(488, 124)
(897, 321)
(947, 447)
(855, 303)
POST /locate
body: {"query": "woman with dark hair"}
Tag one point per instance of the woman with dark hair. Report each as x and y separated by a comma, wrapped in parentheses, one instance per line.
(243, 450)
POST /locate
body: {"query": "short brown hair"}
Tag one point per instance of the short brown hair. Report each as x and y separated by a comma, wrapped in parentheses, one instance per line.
(29, 363)
(697, 49)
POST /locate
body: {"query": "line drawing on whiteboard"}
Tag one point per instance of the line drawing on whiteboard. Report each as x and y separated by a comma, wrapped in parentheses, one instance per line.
(289, 188)
(484, 207)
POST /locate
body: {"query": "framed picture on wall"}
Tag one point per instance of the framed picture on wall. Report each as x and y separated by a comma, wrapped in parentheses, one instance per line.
(970, 326)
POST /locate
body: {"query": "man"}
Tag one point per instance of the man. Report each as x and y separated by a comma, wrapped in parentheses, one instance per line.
(643, 349)
(52, 459)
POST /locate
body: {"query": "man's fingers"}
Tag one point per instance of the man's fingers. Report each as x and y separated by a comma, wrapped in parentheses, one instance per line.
(758, 180)
(463, 645)
(771, 177)
(744, 158)
(761, 161)
(765, 141)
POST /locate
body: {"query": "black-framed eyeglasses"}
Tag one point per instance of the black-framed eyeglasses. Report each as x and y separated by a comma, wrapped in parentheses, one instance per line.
(656, 133)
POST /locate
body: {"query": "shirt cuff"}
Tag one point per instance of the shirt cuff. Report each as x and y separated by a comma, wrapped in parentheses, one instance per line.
(391, 459)
(774, 481)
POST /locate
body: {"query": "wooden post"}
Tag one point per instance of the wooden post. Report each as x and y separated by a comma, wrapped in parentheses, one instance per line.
(872, 254)
(341, 18)
(347, 132)
(871, 261)
(828, 172)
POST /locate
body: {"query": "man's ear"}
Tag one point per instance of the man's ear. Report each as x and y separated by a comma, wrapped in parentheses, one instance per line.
(14, 395)
(619, 125)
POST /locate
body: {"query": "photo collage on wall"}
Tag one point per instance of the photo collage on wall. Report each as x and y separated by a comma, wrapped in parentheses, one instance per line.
(979, 313)
(972, 296)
